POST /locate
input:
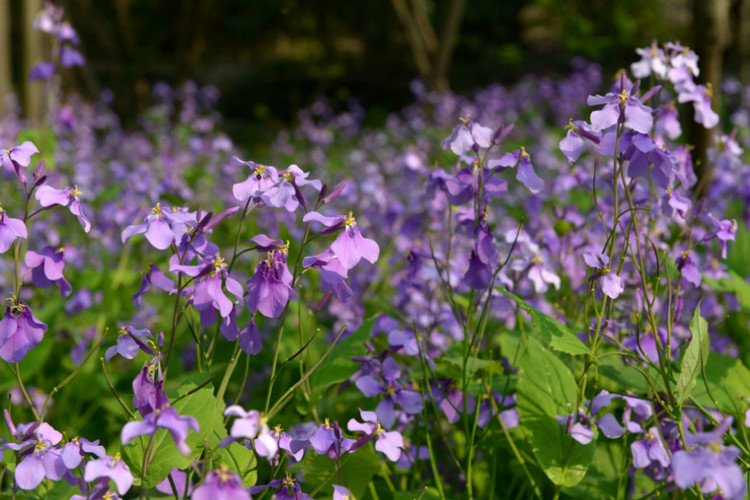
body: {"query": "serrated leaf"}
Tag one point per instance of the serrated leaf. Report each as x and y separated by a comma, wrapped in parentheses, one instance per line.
(695, 356)
(546, 388)
(200, 405)
(550, 331)
(338, 366)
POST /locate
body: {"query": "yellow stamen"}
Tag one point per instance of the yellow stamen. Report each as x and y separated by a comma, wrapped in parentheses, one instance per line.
(115, 459)
(350, 220)
(157, 209)
(524, 154)
(75, 191)
(623, 96)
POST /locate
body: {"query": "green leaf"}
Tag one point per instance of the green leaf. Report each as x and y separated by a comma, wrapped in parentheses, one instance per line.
(729, 381)
(695, 356)
(547, 388)
(200, 405)
(338, 366)
(357, 471)
(549, 330)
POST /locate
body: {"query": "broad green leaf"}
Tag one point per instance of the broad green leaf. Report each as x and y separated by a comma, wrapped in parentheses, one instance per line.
(338, 366)
(550, 331)
(729, 381)
(602, 478)
(695, 356)
(200, 405)
(737, 285)
(546, 388)
(425, 493)
(357, 470)
(623, 377)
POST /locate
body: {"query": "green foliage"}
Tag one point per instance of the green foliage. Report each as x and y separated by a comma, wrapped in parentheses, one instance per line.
(356, 471)
(695, 356)
(546, 389)
(550, 331)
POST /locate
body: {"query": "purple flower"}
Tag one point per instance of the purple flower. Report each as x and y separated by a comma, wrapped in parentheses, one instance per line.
(20, 332)
(285, 191)
(261, 179)
(467, 135)
(208, 293)
(251, 425)
(572, 145)
(725, 230)
(17, 157)
(70, 57)
(390, 443)
(650, 452)
(221, 484)
(700, 96)
(47, 269)
(710, 463)
(327, 440)
(688, 270)
(349, 246)
(129, 342)
(179, 478)
(269, 290)
(40, 458)
(410, 401)
(66, 197)
(286, 489)
(164, 417)
(113, 468)
(624, 108)
(611, 283)
(161, 227)
(43, 70)
(645, 153)
(525, 173)
(10, 229)
(153, 276)
(580, 425)
(340, 493)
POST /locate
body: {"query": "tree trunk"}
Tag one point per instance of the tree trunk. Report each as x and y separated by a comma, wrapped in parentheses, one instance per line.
(32, 54)
(6, 82)
(711, 23)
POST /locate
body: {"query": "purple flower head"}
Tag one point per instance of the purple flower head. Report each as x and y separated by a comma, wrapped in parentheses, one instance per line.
(179, 478)
(327, 440)
(332, 273)
(269, 290)
(623, 108)
(47, 269)
(66, 197)
(285, 191)
(74, 452)
(525, 173)
(340, 493)
(70, 57)
(711, 464)
(163, 417)
(20, 332)
(580, 425)
(18, 157)
(221, 484)
(700, 96)
(39, 457)
(725, 230)
(450, 398)
(10, 229)
(113, 468)
(572, 145)
(43, 70)
(653, 61)
(467, 135)
(649, 452)
(148, 388)
(162, 227)
(286, 489)
(611, 283)
(261, 178)
(390, 443)
(349, 246)
(644, 154)
(251, 425)
(153, 276)
(410, 401)
(129, 342)
(208, 292)
(686, 264)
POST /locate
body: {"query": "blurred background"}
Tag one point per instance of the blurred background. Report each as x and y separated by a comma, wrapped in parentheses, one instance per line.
(269, 58)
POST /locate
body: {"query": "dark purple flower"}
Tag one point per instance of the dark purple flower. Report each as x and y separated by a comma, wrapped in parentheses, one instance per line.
(20, 332)
(47, 269)
(410, 401)
(10, 229)
(43, 70)
(269, 290)
(70, 57)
